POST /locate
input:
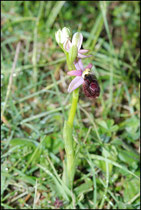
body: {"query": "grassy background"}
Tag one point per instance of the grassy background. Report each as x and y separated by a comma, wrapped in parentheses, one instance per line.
(35, 103)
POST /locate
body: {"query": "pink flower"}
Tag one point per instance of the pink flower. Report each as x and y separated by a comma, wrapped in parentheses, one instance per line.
(84, 77)
(77, 40)
(79, 73)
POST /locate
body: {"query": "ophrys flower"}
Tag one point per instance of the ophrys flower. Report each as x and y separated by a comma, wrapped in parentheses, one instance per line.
(85, 78)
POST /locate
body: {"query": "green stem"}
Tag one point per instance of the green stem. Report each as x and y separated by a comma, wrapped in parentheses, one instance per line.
(69, 142)
(73, 107)
(71, 162)
(69, 167)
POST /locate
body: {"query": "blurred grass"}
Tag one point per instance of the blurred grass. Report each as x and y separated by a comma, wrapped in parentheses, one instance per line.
(106, 129)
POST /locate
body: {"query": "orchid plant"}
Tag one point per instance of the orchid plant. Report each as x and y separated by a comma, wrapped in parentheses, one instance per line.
(74, 55)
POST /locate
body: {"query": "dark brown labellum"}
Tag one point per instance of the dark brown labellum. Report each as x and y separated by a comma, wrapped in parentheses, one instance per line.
(90, 86)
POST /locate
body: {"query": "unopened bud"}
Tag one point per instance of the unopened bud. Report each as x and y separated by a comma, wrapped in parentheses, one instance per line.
(66, 33)
(58, 36)
(77, 39)
(62, 35)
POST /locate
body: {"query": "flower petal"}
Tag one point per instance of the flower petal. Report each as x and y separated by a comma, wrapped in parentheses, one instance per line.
(89, 66)
(81, 65)
(67, 44)
(77, 66)
(75, 73)
(83, 51)
(75, 83)
(83, 56)
(77, 39)
(58, 36)
(66, 33)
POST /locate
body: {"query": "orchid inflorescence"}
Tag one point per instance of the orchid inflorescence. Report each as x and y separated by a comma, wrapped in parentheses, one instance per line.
(74, 55)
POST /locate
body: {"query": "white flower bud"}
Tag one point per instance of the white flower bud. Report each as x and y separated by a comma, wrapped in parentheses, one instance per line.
(66, 33)
(58, 36)
(62, 35)
(77, 40)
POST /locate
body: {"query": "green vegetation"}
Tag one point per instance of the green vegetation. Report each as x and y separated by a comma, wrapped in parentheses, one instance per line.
(35, 103)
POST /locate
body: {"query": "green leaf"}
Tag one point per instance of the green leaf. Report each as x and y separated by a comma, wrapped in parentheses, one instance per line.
(102, 123)
(3, 183)
(107, 127)
(131, 189)
(23, 142)
(128, 157)
(109, 152)
(131, 126)
(53, 143)
(84, 188)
